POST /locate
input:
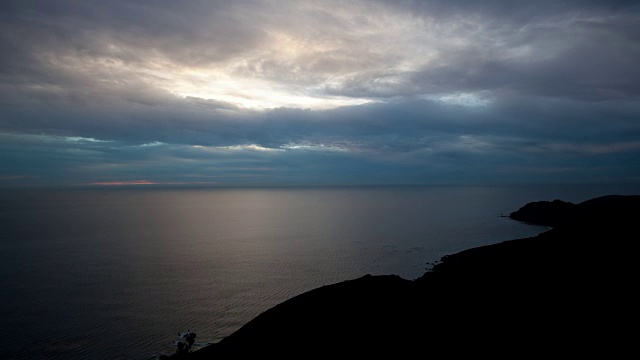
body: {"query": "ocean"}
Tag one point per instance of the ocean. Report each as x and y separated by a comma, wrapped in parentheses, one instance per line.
(116, 273)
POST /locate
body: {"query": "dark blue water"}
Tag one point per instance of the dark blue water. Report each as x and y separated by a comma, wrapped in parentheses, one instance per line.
(117, 273)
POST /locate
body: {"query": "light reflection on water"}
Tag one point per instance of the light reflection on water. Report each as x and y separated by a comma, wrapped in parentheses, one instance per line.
(115, 273)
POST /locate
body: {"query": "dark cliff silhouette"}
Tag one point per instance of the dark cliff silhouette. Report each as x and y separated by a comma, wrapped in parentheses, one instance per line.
(566, 292)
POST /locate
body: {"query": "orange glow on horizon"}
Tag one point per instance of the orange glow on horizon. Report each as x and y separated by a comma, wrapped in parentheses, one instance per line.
(146, 182)
(119, 183)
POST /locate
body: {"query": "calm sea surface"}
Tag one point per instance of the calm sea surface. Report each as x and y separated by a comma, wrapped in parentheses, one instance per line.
(117, 273)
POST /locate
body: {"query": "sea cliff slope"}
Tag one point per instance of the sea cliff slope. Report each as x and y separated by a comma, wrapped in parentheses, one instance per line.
(566, 292)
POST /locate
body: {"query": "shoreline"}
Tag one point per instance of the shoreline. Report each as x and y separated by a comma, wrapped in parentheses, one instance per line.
(510, 291)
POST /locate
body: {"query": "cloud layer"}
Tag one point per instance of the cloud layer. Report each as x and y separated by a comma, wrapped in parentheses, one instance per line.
(314, 93)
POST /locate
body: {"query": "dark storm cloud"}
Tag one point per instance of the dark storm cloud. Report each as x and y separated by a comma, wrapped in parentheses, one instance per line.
(319, 93)
(511, 10)
(586, 60)
(584, 50)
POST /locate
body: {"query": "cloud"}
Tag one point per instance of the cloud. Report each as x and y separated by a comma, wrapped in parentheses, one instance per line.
(318, 92)
(310, 55)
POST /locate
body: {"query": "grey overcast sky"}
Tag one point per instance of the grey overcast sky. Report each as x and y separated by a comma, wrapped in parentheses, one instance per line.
(319, 92)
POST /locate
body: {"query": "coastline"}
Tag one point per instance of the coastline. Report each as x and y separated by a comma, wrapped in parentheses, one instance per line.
(563, 291)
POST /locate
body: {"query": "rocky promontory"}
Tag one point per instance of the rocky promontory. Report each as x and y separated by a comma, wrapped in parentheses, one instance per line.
(566, 292)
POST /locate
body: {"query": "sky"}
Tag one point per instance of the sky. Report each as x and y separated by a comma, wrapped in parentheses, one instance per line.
(288, 93)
